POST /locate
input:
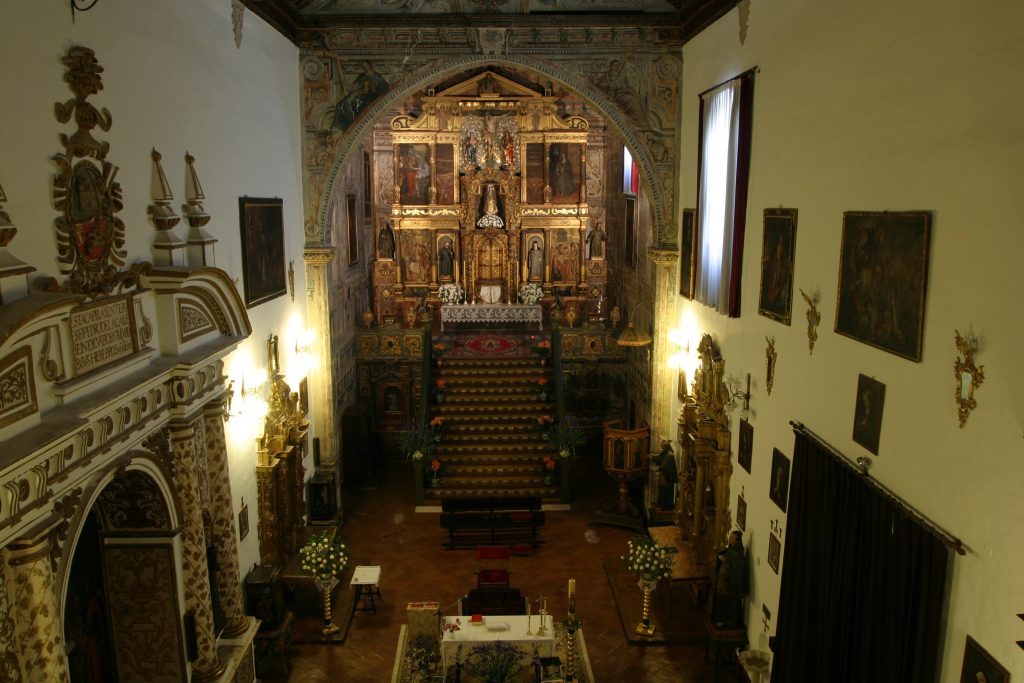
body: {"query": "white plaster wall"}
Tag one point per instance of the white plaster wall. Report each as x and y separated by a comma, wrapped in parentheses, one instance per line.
(887, 106)
(174, 80)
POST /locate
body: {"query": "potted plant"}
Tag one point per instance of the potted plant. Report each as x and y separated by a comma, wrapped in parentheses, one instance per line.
(549, 468)
(323, 558)
(437, 351)
(543, 349)
(451, 293)
(435, 472)
(542, 389)
(439, 385)
(567, 438)
(650, 562)
(496, 662)
(436, 427)
(545, 423)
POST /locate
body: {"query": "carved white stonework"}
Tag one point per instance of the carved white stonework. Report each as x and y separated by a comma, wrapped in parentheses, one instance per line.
(38, 628)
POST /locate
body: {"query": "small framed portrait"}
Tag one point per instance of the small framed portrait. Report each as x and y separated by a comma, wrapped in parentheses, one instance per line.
(745, 450)
(688, 253)
(774, 551)
(262, 225)
(243, 522)
(778, 489)
(777, 255)
(867, 414)
(681, 385)
(304, 395)
(741, 513)
(980, 667)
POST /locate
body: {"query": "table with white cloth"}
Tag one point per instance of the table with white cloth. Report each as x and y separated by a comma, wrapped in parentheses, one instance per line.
(457, 645)
(492, 313)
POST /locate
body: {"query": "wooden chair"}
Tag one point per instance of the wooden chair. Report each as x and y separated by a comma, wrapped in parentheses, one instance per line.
(492, 567)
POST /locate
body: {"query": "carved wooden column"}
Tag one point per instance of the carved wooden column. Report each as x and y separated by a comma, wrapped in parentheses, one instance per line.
(664, 378)
(10, 666)
(547, 175)
(225, 538)
(38, 633)
(433, 177)
(206, 666)
(318, 309)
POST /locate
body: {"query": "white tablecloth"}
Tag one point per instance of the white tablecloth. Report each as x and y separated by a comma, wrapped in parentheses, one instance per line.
(470, 635)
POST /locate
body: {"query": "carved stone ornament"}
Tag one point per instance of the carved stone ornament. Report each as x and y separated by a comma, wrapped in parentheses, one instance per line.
(90, 238)
(771, 359)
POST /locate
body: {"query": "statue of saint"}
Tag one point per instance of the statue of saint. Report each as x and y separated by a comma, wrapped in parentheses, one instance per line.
(490, 219)
(446, 260)
(535, 261)
(732, 583)
(596, 240)
(668, 476)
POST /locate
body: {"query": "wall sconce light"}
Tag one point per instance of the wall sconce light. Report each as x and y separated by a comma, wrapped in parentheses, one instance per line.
(250, 403)
(742, 395)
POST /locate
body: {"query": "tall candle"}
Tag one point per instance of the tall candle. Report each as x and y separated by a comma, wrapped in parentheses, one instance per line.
(572, 588)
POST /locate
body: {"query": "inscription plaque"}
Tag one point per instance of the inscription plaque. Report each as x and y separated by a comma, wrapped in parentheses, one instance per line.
(102, 332)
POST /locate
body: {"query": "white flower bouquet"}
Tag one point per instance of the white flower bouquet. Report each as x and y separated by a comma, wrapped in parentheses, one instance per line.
(530, 293)
(648, 559)
(451, 293)
(323, 556)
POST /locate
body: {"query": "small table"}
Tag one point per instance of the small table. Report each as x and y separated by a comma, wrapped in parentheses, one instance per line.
(366, 580)
(509, 628)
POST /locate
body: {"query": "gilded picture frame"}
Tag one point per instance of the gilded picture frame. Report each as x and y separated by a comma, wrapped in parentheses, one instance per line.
(263, 268)
(778, 254)
(883, 273)
(745, 449)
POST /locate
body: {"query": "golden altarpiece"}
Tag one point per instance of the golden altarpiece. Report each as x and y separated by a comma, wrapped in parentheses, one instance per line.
(490, 193)
(703, 435)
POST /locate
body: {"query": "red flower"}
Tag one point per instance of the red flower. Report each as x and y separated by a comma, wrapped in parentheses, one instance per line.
(437, 421)
(542, 381)
(440, 383)
(435, 465)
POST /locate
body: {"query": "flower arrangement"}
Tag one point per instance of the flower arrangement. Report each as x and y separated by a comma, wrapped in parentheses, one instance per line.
(415, 443)
(436, 426)
(453, 626)
(530, 293)
(451, 293)
(441, 384)
(541, 381)
(550, 464)
(323, 556)
(545, 423)
(496, 662)
(439, 389)
(435, 467)
(648, 559)
(439, 349)
(567, 438)
(542, 348)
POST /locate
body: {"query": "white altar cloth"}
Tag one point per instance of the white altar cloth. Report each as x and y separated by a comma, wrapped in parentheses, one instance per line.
(471, 635)
(485, 313)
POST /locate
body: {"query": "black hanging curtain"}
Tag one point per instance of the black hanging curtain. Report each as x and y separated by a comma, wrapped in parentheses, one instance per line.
(863, 583)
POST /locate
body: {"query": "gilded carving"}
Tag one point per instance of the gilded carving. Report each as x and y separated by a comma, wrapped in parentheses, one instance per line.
(17, 386)
(90, 238)
(389, 345)
(414, 344)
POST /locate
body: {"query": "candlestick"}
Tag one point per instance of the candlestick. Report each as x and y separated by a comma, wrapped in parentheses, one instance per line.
(528, 617)
(572, 595)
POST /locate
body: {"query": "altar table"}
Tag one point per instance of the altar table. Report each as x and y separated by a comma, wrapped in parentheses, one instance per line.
(470, 635)
(492, 313)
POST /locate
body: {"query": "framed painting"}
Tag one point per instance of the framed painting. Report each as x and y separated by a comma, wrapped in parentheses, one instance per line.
(444, 176)
(774, 552)
(745, 451)
(741, 513)
(778, 253)
(414, 173)
(564, 172)
(681, 386)
(688, 254)
(867, 414)
(778, 489)
(629, 231)
(416, 256)
(534, 173)
(263, 271)
(352, 229)
(243, 522)
(564, 255)
(883, 270)
(980, 667)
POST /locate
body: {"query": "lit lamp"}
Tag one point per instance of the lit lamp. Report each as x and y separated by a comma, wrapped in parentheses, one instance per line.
(632, 337)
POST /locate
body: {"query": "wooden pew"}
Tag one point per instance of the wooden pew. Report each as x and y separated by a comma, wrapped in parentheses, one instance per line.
(471, 522)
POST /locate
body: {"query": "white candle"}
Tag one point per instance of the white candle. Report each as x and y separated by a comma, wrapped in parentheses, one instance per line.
(572, 588)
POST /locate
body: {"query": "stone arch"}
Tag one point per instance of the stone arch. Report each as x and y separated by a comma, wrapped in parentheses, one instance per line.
(662, 204)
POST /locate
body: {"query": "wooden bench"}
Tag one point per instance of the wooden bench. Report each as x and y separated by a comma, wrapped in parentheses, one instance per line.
(472, 522)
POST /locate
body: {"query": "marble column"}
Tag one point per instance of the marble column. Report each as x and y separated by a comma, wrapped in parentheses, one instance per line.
(32, 607)
(187, 459)
(664, 377)
(225, 537)
(318, 309)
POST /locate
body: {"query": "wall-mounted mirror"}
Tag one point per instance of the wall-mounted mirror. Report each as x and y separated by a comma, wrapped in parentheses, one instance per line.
(968, 377)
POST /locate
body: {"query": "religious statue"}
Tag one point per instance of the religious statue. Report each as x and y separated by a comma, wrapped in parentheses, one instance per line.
(446, 260)
(596, 240)
(490, 219)
(469, 151)
(386, 242)
(668, 476)
(731, 583)
(535, 261)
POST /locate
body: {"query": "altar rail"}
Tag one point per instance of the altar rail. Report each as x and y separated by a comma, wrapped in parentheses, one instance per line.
(493, 313)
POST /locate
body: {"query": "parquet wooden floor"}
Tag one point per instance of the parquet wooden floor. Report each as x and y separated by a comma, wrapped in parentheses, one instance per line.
(382, 527)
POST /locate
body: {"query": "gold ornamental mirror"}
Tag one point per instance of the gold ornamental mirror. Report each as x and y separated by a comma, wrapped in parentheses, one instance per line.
(968, 377)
